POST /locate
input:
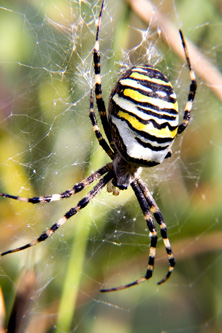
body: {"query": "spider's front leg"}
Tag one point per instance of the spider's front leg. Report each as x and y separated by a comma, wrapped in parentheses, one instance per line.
(192, 91)
(96, 129)
(98, 84)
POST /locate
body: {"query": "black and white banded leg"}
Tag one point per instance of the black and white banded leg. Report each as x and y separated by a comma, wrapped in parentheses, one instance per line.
(192, 91)
(96, 129)
(153, 233)
(163, 228)
(98, 86)
(66, 194)
(73, 211)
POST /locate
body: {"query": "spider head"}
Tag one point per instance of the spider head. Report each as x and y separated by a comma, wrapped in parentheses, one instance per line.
(124, 172)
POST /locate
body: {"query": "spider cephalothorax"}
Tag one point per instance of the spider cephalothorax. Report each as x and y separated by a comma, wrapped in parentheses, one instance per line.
(124, 173)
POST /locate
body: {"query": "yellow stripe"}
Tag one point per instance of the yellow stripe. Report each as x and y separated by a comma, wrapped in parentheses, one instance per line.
(139, 76)
(138, 97)
(148, 128)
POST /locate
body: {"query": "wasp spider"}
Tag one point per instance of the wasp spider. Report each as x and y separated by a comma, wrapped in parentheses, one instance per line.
(140, 127)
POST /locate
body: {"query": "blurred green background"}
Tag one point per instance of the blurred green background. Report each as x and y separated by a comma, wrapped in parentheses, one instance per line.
(47, 145)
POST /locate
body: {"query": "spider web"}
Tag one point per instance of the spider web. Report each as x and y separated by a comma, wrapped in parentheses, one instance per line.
(47, 145)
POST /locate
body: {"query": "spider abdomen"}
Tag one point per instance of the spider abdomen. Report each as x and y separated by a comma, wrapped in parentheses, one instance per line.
(143, 115)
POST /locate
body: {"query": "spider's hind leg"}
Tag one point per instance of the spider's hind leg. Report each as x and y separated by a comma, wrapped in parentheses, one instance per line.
(151, 226)
(163, 228)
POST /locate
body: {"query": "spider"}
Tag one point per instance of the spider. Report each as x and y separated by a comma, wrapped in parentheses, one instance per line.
(141, 125)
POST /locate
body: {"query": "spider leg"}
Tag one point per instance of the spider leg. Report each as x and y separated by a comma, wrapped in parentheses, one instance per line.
(98, 87)
(192, 91)
(74, 210)
(163, 229)
(96, 129)
(68, 193)
(152, 228)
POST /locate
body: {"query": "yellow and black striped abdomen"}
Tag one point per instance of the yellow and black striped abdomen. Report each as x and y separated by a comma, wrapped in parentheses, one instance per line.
(143, 115)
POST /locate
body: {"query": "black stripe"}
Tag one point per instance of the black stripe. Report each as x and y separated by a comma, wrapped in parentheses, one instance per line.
(154, 87)
(151, 261)
(54, 227)
(96, 62)
(78, 187)
(169, 251)
(192, 91)
(42, 237)
(70, 213)
(149, 274)
(148, 145)
(35, 200)
(147, 135)
(163, 233)
(149, 105)
(150, 72)
(163, 125)
(146, 122)
(152, 94)
(83, 202)
(127, 157)
(156, 114)
(153, 240)
(98, 90)
(144, 110)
